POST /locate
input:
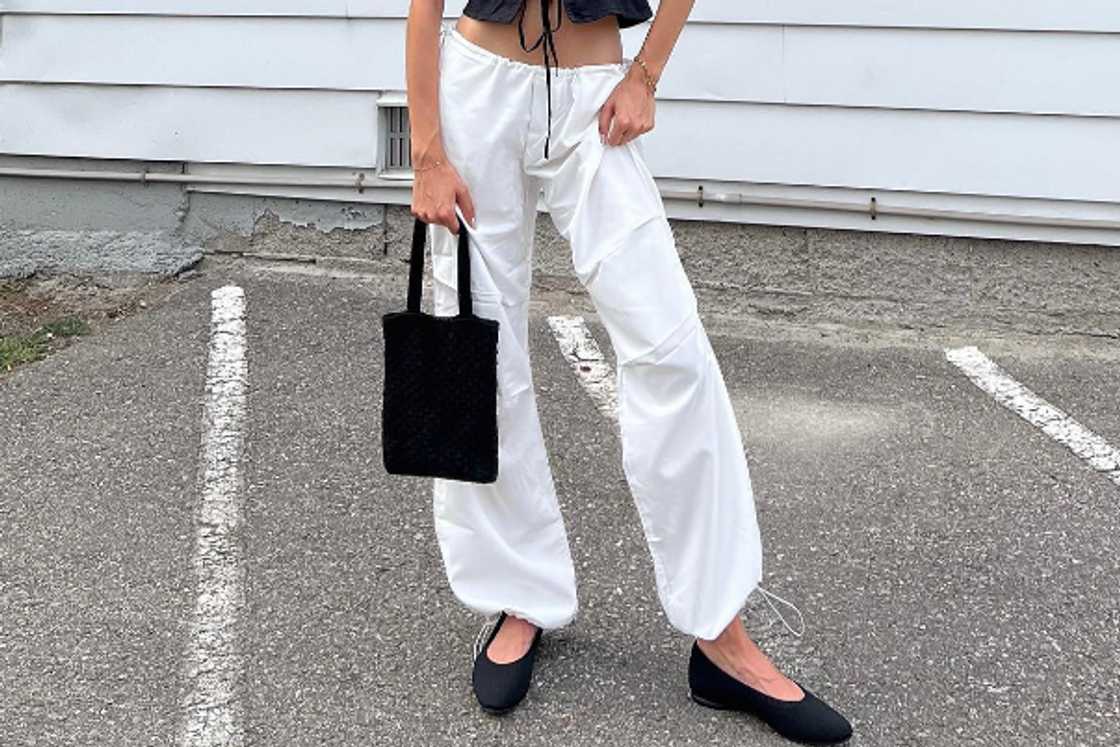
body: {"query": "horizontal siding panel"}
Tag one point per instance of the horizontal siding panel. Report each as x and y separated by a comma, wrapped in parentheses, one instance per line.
(330, 8)
(952, 152)
(979, 71)
(315, 128)
(888, 68)
(1044, 73)
(1026, 15)
(284, 53)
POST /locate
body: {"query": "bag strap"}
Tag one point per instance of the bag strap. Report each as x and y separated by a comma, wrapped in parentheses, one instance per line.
(416, 267)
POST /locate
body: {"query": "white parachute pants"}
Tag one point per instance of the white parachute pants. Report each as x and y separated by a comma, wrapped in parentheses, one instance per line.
(504, 544)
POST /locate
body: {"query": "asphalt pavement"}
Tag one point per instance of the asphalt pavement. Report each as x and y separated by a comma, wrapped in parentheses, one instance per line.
(956, 565)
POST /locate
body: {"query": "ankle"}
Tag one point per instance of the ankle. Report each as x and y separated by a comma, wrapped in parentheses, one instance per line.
(731, 640)
(730, 655)
(738, 656)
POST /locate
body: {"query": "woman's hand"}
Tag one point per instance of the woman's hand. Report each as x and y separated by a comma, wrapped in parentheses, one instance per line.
(435, 192)
(628, 111)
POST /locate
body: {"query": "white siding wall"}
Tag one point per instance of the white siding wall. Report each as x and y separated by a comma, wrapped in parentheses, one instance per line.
(979, 107)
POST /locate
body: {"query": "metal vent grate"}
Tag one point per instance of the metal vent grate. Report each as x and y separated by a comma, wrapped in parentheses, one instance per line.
(398, 149)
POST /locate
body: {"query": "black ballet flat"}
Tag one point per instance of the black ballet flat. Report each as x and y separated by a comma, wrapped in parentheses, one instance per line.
(500, 687)
(808, 721)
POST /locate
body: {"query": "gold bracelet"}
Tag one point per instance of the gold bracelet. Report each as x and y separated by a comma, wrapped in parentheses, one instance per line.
(650, 82)
(429, 167)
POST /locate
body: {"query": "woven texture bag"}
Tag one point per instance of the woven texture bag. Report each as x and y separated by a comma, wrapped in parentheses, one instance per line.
(439, 414)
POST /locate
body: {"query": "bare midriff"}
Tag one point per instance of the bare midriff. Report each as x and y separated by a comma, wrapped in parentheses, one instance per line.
(589, 43)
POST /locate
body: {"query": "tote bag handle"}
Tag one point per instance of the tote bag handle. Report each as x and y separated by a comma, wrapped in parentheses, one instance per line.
(416, 267)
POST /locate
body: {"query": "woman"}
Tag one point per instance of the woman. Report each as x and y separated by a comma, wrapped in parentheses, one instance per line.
(503, 105)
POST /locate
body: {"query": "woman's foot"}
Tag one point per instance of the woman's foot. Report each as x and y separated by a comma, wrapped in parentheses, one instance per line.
(512, 640)
(731, 672)
(503, 668)
(735, 653)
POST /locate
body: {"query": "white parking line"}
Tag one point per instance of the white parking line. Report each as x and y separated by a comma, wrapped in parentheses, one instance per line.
(212, 712)
(1100, 455)
(596, 374)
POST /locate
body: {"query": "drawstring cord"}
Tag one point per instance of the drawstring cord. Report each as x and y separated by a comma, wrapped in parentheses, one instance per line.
(549, 47)
(767, 595)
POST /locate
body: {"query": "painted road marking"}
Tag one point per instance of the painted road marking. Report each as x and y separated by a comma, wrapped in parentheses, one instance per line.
(212, 711)
(1055, 423)
(582, 352)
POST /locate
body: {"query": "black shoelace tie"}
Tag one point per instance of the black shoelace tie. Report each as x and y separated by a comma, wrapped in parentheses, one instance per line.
(549, 49)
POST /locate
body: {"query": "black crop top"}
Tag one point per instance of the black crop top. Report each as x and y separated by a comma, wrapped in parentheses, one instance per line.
(628, 12)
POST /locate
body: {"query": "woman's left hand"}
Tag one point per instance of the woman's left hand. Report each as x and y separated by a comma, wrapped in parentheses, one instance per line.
(628, 111)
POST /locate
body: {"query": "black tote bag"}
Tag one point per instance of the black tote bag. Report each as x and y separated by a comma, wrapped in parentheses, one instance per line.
(439, 411)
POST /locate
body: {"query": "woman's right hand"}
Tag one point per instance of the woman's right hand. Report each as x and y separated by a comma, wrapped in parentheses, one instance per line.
(435, 192)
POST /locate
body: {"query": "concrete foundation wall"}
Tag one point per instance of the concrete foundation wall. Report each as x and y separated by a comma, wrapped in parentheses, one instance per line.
(812, 275)
(79, 226)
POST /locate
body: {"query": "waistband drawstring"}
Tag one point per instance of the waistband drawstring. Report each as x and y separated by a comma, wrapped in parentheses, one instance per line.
(549, 47)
